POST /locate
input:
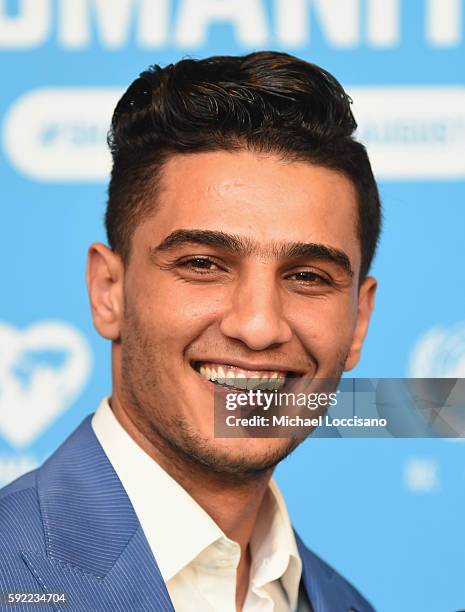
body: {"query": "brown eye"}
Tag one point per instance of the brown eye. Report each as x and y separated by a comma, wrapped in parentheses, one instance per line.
(305, 276)
(200, 264)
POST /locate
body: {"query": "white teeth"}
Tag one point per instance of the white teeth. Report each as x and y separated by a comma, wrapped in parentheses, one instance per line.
(266, 383)
(253, 382)
(240, 380)
(278, 381)
(274, 382)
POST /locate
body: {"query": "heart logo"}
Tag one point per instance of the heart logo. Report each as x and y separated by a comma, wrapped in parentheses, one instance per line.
(43, 369)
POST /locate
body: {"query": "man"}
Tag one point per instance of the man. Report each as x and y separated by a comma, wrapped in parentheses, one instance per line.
(242, 220)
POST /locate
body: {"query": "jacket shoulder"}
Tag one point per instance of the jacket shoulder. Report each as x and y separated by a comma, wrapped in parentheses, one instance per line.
(20, 530)
(20, 517)
(26, 481)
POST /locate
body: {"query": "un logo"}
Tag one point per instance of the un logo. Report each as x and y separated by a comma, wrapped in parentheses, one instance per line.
(439, 353)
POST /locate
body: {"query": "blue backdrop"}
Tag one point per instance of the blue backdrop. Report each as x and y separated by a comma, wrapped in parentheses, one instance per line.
(387, 513)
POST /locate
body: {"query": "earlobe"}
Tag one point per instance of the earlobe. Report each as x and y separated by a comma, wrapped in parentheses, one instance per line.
(366, 303)
(104, 275)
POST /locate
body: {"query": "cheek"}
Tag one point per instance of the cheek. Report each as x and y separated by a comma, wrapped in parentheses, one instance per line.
(324, 325)
(180, 312)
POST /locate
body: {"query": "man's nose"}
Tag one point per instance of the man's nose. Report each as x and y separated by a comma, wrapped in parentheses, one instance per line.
(255, 315)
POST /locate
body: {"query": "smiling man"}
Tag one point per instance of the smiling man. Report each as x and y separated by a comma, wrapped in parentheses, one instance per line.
(242, 221)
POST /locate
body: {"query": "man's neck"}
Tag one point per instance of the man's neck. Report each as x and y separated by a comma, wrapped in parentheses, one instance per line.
(233, 504)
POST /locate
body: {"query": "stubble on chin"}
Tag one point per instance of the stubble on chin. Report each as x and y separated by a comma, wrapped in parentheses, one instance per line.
(230, 463)
(174, 437)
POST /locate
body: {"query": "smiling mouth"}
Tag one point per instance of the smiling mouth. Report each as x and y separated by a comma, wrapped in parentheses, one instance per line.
(240, 378)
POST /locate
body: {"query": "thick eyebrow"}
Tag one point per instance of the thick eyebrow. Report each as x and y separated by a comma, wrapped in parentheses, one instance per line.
(244, 246)
(312, 250)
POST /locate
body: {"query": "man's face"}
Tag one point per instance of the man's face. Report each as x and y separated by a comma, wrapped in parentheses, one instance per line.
(249, 264)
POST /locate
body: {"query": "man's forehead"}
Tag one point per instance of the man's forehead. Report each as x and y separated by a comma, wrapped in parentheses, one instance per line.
(261, 199)
(220, 172)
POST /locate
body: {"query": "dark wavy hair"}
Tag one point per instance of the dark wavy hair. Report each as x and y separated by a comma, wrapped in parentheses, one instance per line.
(266, 102)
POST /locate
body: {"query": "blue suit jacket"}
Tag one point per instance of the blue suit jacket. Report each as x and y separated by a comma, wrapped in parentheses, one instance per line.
(70, 527)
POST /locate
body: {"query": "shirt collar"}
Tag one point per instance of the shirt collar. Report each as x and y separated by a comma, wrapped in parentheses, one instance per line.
(168, 514)
(273, 546)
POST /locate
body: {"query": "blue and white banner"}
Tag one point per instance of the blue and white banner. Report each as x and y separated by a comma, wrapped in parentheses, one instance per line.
(387, 513)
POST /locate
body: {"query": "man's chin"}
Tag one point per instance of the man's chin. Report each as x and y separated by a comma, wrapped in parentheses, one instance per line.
(238, 459)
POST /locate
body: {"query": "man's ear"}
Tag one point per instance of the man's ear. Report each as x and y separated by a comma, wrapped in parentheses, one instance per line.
(105, 275)
(366, 302)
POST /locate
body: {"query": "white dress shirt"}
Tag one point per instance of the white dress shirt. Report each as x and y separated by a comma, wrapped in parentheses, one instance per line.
(196, 559)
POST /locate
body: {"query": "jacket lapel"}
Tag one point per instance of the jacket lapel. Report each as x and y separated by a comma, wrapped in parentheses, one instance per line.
(326, 590)
(96, 551)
